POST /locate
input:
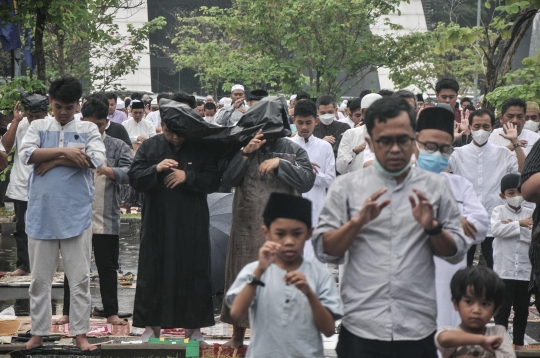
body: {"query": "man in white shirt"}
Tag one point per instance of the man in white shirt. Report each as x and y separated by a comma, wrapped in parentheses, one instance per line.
(322, 159)
(532, 117)
(513, 111)
(155, 117)
(138, 129)
(355, 153)
(484, 165)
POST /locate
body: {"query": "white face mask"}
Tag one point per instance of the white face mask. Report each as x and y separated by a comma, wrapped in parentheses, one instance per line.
(531, 125)
(327, 118)
(515, 201)
(480, 136)
(209, 119)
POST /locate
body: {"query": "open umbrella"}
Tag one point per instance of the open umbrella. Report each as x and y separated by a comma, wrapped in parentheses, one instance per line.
(220, 206)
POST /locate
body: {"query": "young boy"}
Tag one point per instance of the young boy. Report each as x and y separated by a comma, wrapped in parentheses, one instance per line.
(477, 293)
(59, 215)
(511, 226)
(290, 300)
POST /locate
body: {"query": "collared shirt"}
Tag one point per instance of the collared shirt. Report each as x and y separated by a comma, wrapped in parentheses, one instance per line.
(106, 203)
(155, 118)
(530, 136)
(60, 202)
(484, 167)
(20, 172)
(319, 152)
(142, 128)
(348, 121)
(388, 287)
(117, 116)
(280, 315)
(511, 244)
(348, 161)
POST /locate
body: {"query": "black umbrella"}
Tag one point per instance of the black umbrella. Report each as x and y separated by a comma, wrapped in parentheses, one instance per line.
(220, 206)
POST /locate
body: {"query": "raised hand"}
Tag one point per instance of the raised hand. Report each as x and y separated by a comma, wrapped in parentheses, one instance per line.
(510, 132)
(298, 279)
(255, 143)
(371, 208)
(17, 114)
(267, 254)
(166, 164)
(423, 210)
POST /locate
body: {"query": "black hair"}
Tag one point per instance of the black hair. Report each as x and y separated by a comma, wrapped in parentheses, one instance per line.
(137, 96)
(326, 100)
(210, 105)
(479, 113)
(447, 83)
(127, 102)
(387, 108)
(465, 99)
(302, 95)
(95, 107)
(406, 94)
(111, 95)
(354, 105)
(268, 221)
(386, 92)
(199, 103)
(66, 89)
(99, 96)
(364, 93)
(305, 108)
(163, 95)
(470, 108)
(184, 98)
(482, 282)
(513, 102)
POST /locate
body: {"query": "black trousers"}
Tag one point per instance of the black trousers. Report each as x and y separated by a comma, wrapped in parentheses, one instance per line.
(516, 294)
(106, 255)
(351, 346)
(487, 251)
(23, 260)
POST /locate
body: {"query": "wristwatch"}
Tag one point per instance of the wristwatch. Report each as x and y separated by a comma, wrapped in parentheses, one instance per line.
(436, 230)
(245, 154)
(518, 144)
(252, 280)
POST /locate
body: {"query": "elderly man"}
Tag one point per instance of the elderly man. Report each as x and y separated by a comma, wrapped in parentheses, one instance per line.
(228, 117)
(392, 219)
(532, 117)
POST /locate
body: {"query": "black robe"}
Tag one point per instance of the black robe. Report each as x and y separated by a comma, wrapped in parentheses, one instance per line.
(173, 282)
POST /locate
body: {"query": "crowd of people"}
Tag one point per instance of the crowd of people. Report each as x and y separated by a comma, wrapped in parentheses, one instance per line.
(394, 189)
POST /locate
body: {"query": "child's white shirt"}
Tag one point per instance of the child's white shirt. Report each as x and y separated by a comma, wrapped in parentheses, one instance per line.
(505, 350)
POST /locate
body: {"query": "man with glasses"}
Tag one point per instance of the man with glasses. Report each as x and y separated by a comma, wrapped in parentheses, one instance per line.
(391, 231)
(484, 164)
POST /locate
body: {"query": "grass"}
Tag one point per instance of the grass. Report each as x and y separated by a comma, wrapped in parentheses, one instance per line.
(130, 216)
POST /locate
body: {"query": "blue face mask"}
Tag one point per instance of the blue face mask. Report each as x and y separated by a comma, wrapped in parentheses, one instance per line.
(432, 162)
(383, 171)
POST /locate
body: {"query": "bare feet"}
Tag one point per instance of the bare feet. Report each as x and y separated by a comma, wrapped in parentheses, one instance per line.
(61, 320)
(34, 342)
(117, 320)
(18, 272)
(234, 342)
(83, 344)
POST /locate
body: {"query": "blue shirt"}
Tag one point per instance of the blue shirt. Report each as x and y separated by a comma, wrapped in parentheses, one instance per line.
(60, 202)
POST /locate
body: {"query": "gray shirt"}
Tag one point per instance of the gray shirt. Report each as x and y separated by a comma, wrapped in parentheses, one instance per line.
(388, 287)
(281, 318)
(228, 117)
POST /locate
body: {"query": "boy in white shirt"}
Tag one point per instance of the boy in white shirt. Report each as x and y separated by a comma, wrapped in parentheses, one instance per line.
(511, 225)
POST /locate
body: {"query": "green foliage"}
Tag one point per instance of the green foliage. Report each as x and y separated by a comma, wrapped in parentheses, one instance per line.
(12, 91)
(7, 169)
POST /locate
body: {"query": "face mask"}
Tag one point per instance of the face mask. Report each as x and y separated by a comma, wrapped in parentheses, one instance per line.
(209, 119)
(515, 201)
(327, 119)
(432, 162)
(480, 136)
(383, 171)
(531, 125)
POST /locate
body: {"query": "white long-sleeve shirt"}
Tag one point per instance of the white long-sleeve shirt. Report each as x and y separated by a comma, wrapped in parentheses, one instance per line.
(511, 244)
(484, 167)
(348, 161)
(530, 136)
(142, 128)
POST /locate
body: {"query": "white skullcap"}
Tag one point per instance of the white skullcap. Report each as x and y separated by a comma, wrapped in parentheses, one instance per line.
(237, 87)
(293, 97)
(154, 102)
(369, 99)
(223, 101)
(120, 104)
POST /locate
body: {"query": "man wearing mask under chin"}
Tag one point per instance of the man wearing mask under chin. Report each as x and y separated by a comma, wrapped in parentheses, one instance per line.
(434, 137)
(484, 164)
(329, 129)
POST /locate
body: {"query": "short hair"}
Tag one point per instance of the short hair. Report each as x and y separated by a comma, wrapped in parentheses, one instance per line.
(66, 89)
(430, 101)
(184, 98)
(99, 96)
(111, 95)
(163, 95)
(465, 99)
(354, 105)
(386, 92)
(302, 95)
(447, 83)
(210, 106)
(127, 102)
(470, 108)
(364, 93)
(199, 103)
(513, 102)
(95, 107)
(481, 112)
(387, 108)
(406, 94)
(305, 108)
(137, 96)
(326, 100)
(482, 282)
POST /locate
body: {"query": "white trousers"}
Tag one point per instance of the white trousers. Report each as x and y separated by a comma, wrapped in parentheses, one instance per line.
(44, 256)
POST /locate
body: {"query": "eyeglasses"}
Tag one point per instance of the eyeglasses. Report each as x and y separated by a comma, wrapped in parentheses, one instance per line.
(431, 147)
(387, 143)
